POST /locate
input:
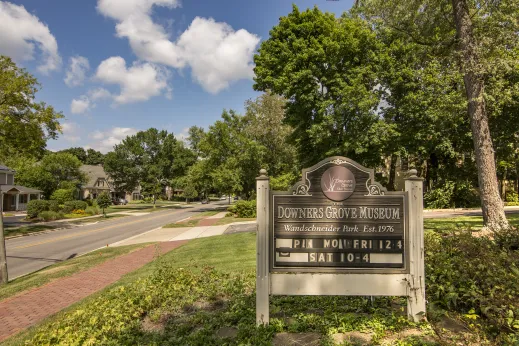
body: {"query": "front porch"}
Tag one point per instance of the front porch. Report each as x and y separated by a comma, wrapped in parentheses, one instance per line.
(16, 198)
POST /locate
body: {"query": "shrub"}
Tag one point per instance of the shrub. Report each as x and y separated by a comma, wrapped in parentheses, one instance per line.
(78, 212)
(449, 194)
(439, 197)
(475, 276)
(74, 205)
(35, 207)
(50, 215)
(53, 206)
(243, 209)
(512, 196)
(63, 195)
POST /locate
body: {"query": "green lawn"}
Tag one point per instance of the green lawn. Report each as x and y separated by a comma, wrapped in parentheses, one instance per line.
(193, 220)
(65, 268)
(462, 222)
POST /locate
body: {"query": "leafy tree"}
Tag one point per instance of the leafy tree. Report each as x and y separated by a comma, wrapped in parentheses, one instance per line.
(94, 157)
(227, 148)
(78, 152)
(104, 201)
(190, 192)
(55, 170)
(150, 159)
(265, 116)
(477, 41)
(25, 125)
(326, 70)
(196, 134)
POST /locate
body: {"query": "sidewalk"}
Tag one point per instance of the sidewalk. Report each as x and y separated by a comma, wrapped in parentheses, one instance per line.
(28, 308)
(204, 229)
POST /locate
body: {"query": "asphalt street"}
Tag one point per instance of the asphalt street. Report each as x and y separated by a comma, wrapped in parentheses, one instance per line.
(31, 253)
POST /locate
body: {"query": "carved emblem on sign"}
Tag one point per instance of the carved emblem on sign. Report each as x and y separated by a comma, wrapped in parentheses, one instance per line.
(338, 183)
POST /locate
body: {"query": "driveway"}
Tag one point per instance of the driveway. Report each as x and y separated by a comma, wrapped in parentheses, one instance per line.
(34, 252)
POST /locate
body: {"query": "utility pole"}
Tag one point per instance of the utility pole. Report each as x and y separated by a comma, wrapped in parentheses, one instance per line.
(3, 254)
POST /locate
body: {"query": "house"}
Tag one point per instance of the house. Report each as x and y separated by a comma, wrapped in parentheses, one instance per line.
(98, 182)
(14, 197)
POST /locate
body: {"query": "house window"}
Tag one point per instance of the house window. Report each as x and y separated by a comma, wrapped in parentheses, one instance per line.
(3, 178)
(136, 196)
(10, 179)
(22, 199)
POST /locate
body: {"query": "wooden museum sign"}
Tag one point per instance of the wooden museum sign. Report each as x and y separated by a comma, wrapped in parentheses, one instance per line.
(338, 232)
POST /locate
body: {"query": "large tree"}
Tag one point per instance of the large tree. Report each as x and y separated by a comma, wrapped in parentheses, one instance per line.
(150, 159)
(25, 125)
(53, 171)
(326, 70)
(476, 36)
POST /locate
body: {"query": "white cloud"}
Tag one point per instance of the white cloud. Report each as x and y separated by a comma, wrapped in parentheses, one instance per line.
(99, 94)
(140, 82)
(183, 135)
(76, 73)
(81, 105)
(22, 33)
(70, 132)
(216, 53)
(105, 140)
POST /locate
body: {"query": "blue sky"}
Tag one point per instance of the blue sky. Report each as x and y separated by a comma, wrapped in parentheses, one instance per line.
(114, 67)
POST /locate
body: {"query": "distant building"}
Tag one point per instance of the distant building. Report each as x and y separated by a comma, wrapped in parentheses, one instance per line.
(15, 197)
(99, 182)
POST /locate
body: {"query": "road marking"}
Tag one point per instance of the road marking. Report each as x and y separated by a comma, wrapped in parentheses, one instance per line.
(80, 234)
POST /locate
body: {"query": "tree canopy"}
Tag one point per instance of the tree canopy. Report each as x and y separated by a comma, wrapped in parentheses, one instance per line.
(25, 125)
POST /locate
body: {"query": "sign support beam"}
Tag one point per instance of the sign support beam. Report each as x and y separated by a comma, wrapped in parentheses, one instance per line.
(262, 248)
(416, 278)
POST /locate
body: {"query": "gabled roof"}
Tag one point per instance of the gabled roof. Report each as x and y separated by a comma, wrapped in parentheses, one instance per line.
(5, 168)
(94, 172)
(18, 188)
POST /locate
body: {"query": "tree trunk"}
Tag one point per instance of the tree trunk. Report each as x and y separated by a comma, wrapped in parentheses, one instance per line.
(154, 201)
(493, 211)
(503, 184)
(392, 173)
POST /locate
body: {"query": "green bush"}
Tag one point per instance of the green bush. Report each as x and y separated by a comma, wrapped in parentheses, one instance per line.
(63, 195)
(50, 215)
(243, 209)
(475, 277)
(53, 206)
(449, 194)
(440, 197)
(512, 196)
(74, 205)
(36, 206)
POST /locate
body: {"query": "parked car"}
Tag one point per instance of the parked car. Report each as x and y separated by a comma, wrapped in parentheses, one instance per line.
(223, 198)
(205, 201)
(235, 198)
(119, 201)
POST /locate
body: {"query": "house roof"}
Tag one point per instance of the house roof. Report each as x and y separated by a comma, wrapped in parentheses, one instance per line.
(5, 168)
(19, 188)
(93, 172)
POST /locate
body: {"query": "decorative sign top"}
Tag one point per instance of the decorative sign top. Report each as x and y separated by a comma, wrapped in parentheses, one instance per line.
(338, 219)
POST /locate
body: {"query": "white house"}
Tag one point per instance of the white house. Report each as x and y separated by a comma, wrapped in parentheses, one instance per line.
(14, 197)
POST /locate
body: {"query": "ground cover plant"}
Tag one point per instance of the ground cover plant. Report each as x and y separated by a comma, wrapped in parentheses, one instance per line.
(472, 289)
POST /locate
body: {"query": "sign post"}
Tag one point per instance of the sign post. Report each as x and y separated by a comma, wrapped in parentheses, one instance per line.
(338, 232)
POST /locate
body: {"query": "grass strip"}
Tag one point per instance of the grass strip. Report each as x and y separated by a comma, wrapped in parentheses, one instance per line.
(63, 269)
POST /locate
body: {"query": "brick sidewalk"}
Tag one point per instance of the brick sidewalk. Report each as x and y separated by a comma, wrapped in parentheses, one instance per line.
(28, 308)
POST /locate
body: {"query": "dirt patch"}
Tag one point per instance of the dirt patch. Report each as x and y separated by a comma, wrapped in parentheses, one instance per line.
(355, 338)
(409, 333)
(227, 332)
(296, 339)
(148, 325)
